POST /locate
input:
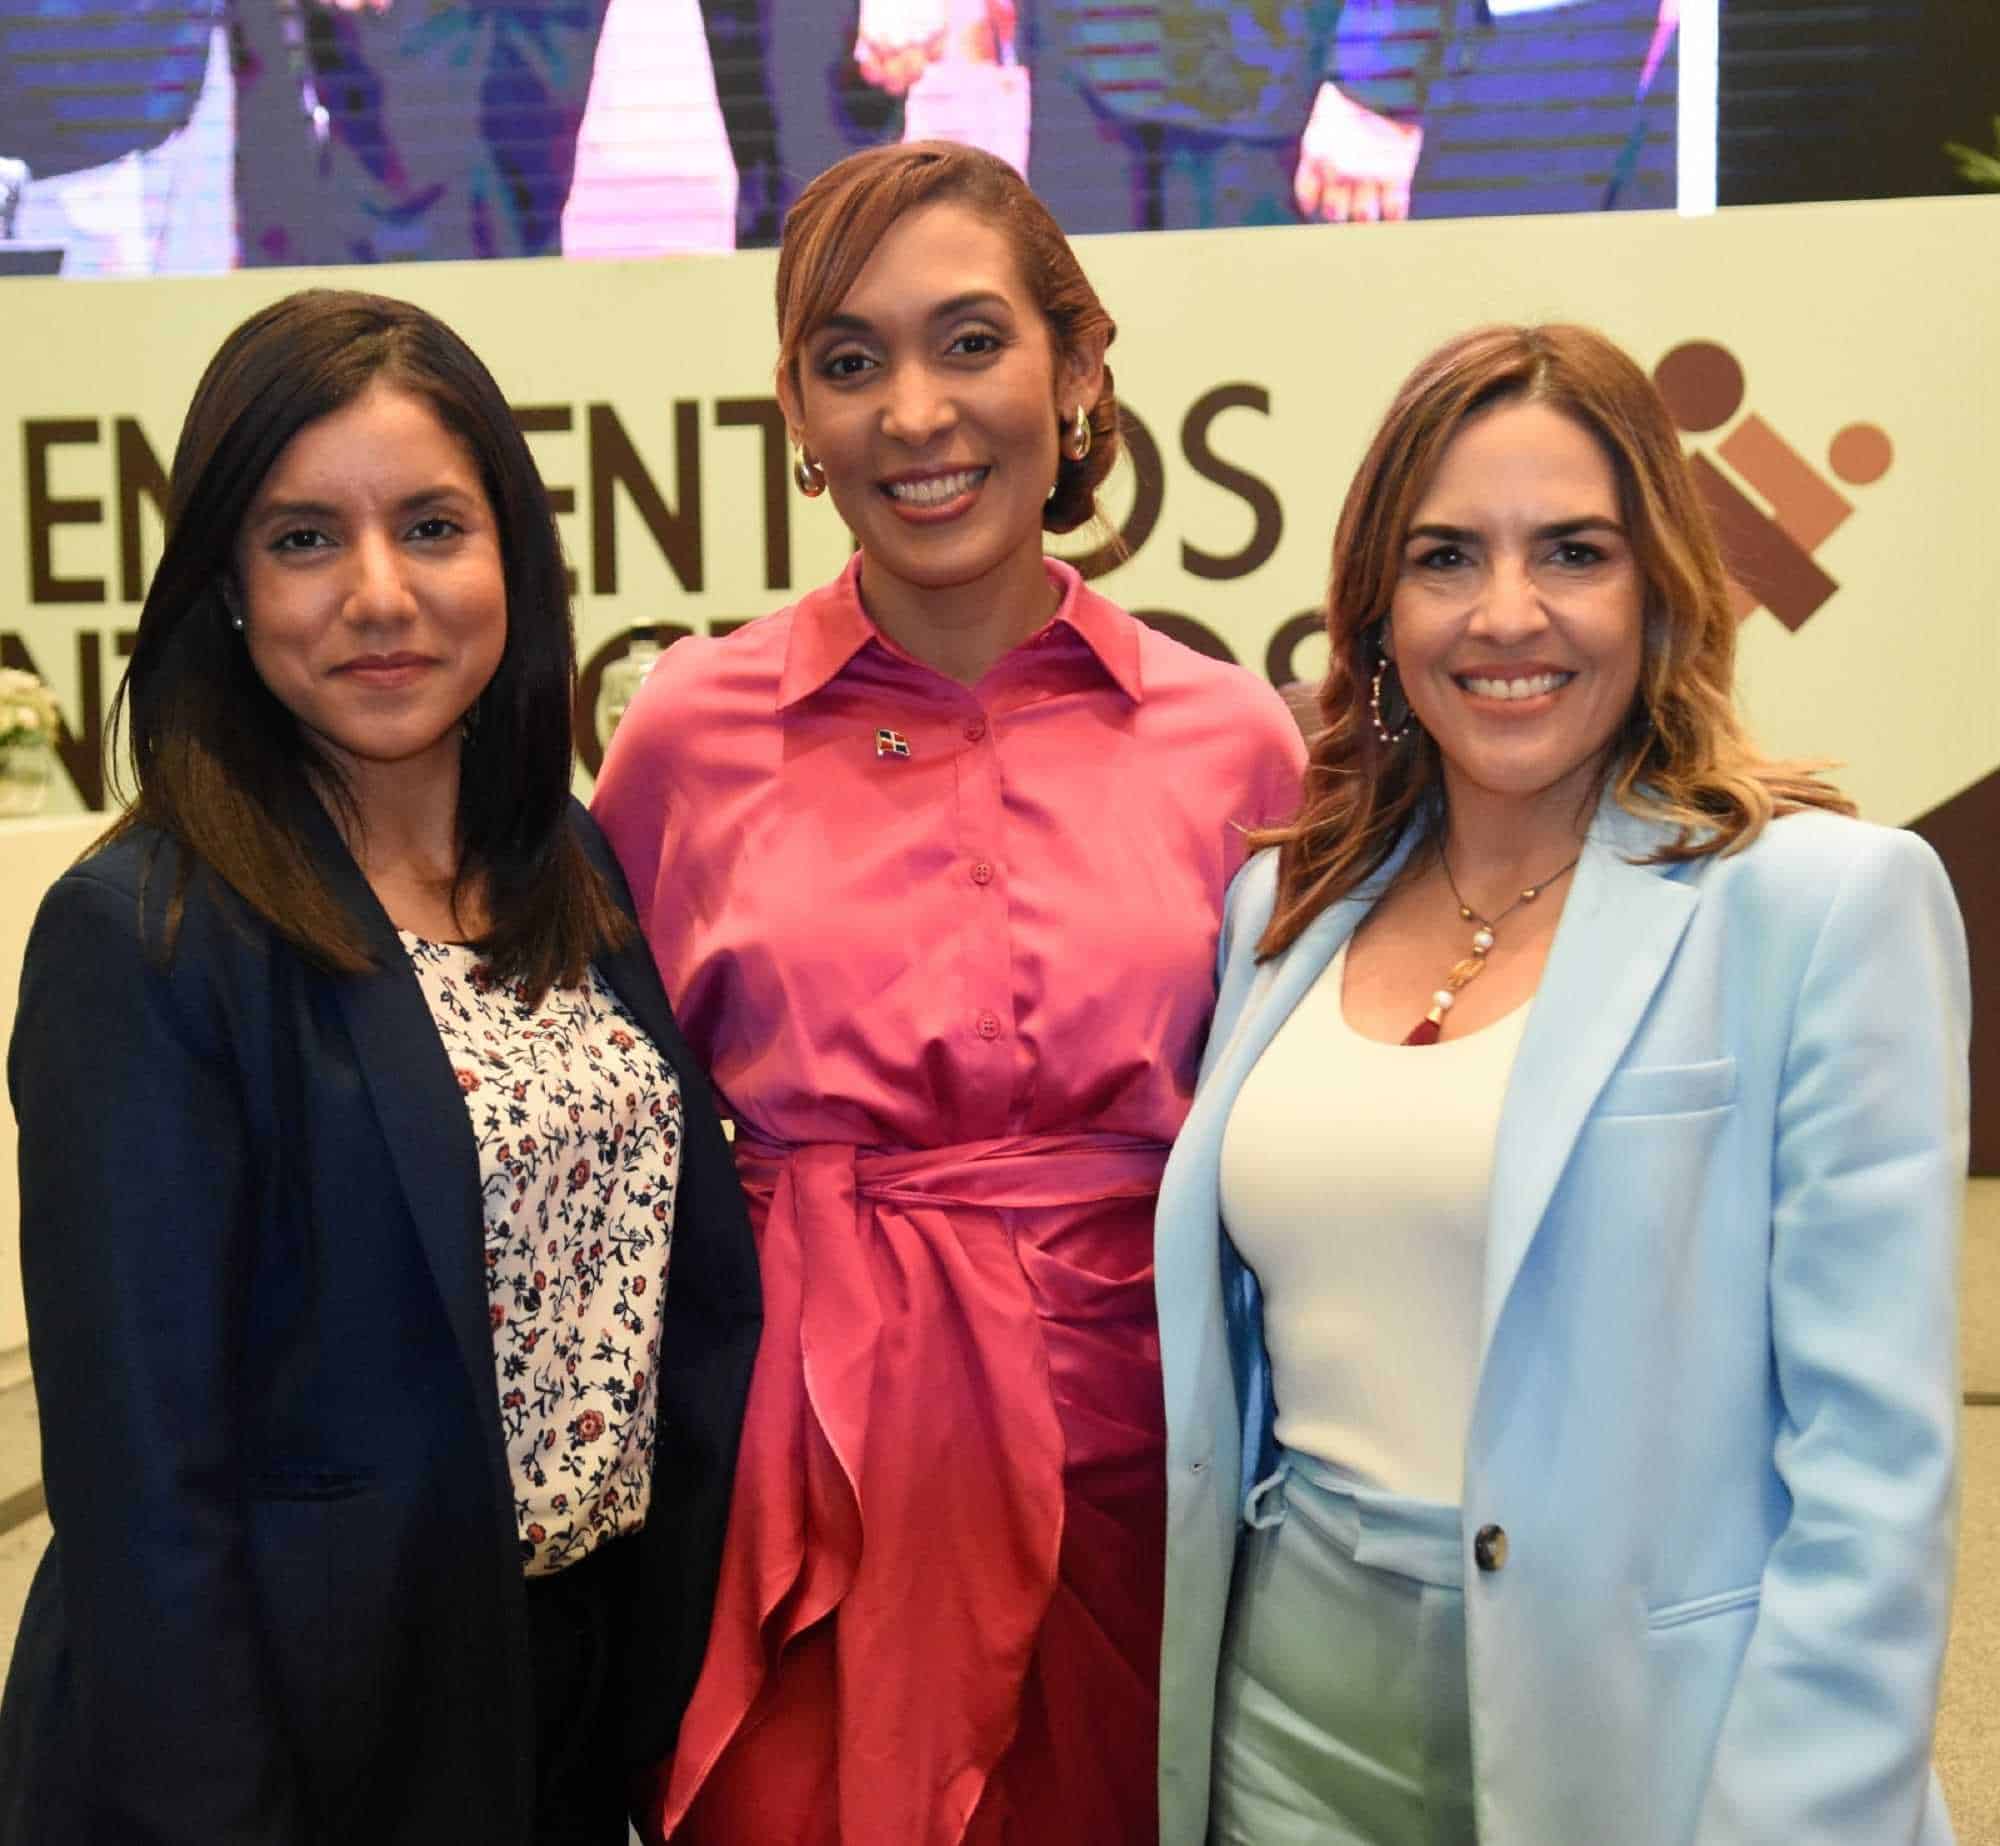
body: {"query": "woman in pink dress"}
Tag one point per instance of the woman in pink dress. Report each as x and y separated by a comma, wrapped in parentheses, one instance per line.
(933, 864)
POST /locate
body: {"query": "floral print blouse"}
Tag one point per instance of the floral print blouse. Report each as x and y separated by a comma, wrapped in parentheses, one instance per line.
(577, 1117)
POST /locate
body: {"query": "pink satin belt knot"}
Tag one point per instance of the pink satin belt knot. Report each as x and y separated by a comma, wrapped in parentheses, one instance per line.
(902, 1462)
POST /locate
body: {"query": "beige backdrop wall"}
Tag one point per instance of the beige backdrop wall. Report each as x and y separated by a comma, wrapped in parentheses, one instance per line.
(1257, 361)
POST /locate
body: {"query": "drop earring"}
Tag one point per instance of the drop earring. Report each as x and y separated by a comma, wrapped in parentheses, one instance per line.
(1076, 435)
(1390, 728)
(807, 472)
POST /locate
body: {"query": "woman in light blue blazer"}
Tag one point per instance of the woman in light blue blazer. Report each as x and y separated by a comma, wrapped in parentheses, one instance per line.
(1556, 1271)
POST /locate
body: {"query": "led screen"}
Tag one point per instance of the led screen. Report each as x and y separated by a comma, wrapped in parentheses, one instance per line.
(160, 136)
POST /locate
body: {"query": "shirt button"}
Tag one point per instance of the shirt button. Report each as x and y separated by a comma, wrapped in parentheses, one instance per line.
(975, 730)
(988, 1025)
(1489, 1547)
(982, 873)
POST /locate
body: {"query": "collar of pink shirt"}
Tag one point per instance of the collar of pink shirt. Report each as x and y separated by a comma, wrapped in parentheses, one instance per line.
(829, 627)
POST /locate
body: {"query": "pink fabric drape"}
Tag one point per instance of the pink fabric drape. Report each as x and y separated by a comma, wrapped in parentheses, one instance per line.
(927, 1522)
(993, 948)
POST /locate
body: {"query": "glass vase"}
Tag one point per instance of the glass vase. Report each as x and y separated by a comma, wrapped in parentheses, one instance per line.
(26, 767)
(621, 681)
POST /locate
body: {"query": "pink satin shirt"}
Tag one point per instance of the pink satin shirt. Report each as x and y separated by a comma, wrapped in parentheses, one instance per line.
(1011, 929)
(949, 955)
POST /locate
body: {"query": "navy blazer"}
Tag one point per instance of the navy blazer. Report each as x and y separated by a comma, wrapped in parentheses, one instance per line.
(284, 1599)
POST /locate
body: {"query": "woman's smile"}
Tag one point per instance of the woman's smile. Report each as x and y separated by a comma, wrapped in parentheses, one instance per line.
(932, 401)
(386, 672)
(1514, 687)
(1516, 620)
(931, 498)
(374, 595)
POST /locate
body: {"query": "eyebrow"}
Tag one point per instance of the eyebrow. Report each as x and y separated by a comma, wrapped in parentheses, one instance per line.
(945, 310)
(1560, 528)
(322, 509)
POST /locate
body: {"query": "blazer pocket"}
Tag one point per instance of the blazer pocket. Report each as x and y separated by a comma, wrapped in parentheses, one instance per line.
(1699, 1608)
(305, 1481)
(1668, 1089)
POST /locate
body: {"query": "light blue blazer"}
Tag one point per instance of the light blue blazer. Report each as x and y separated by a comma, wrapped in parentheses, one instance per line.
(1717, 1399)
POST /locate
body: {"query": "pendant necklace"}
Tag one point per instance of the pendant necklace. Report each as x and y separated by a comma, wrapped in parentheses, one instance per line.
(1468, 969)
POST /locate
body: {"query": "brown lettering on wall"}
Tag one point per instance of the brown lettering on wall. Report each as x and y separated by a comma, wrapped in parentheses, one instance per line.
(615, 463)
(45, 512)
(139, 472)
(1149, 495)
(1187, 631)
(1267, 515)
(81, 753)
(549, 419)
(763, 413)
(1278, 665)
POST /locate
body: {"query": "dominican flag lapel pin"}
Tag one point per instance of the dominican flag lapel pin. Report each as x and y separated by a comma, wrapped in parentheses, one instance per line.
(891, 743)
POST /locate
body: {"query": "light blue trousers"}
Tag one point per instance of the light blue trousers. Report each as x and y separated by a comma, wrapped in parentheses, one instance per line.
(1341, 1713)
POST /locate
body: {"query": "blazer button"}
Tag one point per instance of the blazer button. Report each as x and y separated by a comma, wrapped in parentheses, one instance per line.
(1489, 1547)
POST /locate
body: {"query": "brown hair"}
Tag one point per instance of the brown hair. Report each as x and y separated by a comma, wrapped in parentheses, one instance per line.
(1681, 754)
(222, 766)
(837, 221)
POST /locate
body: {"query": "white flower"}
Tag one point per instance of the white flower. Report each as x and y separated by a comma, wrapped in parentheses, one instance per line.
(28, 710)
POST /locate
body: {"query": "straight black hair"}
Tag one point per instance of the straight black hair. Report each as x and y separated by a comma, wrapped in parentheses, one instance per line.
(221, 765)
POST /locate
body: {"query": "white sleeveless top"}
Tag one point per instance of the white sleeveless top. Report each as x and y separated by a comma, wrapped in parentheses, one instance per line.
(1355, 1181)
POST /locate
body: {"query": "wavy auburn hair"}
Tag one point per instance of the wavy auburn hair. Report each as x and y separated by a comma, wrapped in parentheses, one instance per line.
(1681, 754)
(836, 223)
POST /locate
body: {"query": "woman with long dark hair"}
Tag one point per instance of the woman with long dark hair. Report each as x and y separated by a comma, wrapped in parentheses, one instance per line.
(390, 1299)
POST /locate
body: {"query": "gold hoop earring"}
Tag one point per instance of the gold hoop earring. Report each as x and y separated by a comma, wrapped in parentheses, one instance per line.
(807, 472)
(1076, 435)
(1391, 735)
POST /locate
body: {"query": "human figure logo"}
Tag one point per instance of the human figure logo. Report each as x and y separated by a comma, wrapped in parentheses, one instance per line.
(1770, 556)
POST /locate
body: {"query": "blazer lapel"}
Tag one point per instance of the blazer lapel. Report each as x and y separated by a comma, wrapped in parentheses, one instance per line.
(1618, 932)
(1275, 992)
(418, 1106)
